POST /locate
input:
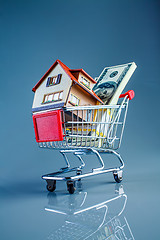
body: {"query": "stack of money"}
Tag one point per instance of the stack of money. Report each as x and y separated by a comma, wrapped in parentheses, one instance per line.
(112, 81)
(108, 88)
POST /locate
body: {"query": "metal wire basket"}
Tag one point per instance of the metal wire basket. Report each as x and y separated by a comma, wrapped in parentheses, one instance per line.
(99, 127)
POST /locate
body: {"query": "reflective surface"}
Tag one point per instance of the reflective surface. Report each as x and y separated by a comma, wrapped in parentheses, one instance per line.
(99, 209)
(85, 219)
(92, 35)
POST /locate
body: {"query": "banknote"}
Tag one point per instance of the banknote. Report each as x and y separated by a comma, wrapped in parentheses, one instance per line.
(112, 81)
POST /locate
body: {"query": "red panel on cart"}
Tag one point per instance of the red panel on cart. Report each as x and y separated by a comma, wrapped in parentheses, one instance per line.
(48, 126)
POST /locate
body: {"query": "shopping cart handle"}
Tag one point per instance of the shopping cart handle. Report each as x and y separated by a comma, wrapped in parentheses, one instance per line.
(130, 94)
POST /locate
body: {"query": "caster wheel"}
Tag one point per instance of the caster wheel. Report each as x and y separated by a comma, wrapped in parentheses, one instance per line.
(51, 186)
(118, 176)
(71, 187)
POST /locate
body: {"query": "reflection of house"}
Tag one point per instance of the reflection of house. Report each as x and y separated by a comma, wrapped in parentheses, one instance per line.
(61, 86)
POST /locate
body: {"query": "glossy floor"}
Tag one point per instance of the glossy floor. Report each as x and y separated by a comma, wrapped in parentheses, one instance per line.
(99, 209)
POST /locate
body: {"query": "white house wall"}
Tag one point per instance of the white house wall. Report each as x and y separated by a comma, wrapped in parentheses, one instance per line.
(42, 90)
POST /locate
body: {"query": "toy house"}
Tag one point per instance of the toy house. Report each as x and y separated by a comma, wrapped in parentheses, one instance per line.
(59, 87)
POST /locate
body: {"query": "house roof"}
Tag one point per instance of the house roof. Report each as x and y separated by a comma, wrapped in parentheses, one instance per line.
(82, 71)
(69, 73)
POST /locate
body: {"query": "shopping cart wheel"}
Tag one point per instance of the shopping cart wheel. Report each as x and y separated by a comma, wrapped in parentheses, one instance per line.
(118, 176)
(51, 185)
(71, 186)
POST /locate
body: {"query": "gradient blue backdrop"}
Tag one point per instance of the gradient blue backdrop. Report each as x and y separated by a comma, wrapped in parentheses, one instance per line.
(82, 34)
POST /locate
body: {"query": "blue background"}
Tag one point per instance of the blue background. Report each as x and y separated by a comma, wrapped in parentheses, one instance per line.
(89, 35)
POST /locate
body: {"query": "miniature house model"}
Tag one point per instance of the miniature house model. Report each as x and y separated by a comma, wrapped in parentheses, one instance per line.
(59, 87)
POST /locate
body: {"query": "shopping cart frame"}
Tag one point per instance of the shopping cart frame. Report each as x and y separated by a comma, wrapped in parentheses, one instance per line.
(104, 144)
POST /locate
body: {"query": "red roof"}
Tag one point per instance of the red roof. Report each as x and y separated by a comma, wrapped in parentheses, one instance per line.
(82, 71)
(69, 72)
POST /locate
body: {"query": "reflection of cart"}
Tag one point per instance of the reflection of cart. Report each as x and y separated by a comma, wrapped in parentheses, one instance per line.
(99, 221)
(88, 130)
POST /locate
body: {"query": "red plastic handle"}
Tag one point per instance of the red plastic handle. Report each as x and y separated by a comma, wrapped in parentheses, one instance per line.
(130, 94)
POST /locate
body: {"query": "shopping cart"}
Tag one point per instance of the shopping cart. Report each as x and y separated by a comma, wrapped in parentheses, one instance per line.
(86, 130)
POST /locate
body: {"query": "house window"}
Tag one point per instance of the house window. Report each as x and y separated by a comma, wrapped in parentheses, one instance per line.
(74, 100)
(57, 96)
(50, 97)
(85, 82)
(53, 80)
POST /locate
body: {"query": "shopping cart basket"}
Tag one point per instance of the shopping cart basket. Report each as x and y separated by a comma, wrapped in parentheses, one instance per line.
(86, 130)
